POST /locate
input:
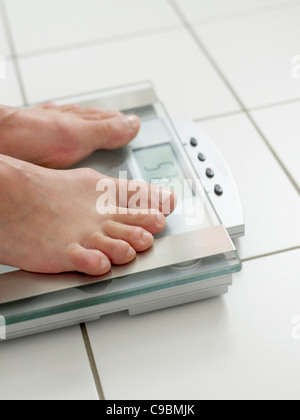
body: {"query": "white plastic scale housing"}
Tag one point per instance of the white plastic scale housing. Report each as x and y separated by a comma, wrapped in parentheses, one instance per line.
(189, 261)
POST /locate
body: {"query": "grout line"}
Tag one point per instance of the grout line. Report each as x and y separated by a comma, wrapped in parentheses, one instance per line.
(187, 25)
(245, 13)
(233, 92)
(13, 54)
(93, 365)
(168, 28)
(100, 41)
(197, 119)
(274, 105)
(216, 116)
(274, 153)
(270, 254)
(133, 35)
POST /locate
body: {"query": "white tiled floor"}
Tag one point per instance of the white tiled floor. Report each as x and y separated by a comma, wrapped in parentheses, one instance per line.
(271, 204)
(281, 125)
(67, 22)
(4, 48)
(9, 89)
(238, 346)
(255, 54)
(47, 366)
(171, 60)
(201, 10)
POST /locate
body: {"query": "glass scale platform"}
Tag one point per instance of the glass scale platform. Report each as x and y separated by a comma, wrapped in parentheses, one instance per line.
(193, 259)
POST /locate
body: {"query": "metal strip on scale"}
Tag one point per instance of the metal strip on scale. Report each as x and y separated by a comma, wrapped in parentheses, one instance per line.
(166, 252)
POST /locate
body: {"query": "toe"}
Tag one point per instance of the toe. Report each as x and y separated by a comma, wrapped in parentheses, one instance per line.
(81, 111)
(138, 238)
(88, 261)
(141, 195)
(113, 133)
(119, 252)
(152, 221)
(91, 110)
(96, 114)
(111, 114)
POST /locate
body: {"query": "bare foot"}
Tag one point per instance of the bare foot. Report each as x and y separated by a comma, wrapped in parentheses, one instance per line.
(49, 222)
(60, 136)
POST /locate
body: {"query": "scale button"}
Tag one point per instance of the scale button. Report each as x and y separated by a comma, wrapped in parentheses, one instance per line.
(194, 142)
(202, 157)
(210, 173)
(219, 190)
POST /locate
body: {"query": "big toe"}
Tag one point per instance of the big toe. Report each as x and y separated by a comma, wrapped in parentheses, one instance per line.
(113, 133)
(92, 262)
(138, 238)
(118, 251)
(142, 195)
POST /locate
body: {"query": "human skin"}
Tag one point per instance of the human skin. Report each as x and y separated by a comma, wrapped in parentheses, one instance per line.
(50, 223)
(50, 220)
(60, 136)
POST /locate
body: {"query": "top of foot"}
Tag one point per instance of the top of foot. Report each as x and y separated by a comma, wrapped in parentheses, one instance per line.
(59, 136)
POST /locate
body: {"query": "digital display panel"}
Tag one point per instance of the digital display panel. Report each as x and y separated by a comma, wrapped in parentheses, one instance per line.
(158, 164)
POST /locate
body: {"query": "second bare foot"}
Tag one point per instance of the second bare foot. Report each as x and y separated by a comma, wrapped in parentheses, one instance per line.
(60, 136)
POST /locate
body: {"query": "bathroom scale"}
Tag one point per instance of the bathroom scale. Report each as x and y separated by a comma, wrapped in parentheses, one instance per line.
(193, 259)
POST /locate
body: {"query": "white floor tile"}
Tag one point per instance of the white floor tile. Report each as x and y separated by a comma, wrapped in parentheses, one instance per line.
(9, 88)
(281, 126)
(4, 48)
(39, 25)
(237, 347)
(201, 9)
(271, 204)
(255, 54)
(183, 77)
(52, 366)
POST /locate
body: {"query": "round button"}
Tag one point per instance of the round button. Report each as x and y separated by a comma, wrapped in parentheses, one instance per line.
(219, 190)
(202, 157)
(194, 142)
(210, 173)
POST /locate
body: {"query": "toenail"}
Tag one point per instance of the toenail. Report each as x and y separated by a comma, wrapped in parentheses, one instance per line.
(131, 253)
(103, 264)
(146, 237)
(133, 122)
(160, 219)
